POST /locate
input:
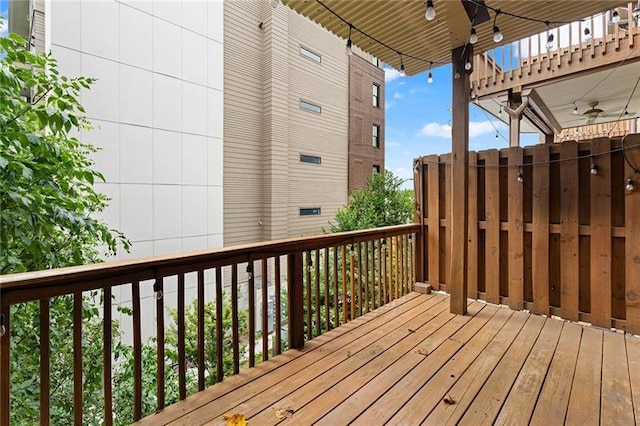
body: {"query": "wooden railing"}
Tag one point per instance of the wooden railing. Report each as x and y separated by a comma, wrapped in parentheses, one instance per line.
(612, 130)
(316, 283)
(529, 61)
(553, 228)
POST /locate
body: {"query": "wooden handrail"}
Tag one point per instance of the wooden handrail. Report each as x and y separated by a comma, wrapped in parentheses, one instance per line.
(376, 270)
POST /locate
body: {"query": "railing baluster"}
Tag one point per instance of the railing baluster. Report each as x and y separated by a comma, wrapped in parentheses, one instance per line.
(219, 331)
(327, 294)
(336, 301)
(77, 358)
(345, 307)
(360, 300)
(234, 318)
(366, 276)
(316, 303)
(277, 311)
(45, 377)
(201, 331)
(5, 377)
(252, 313)
(265, 310)
(106, 356)
(182, 368)
(352, 297)
(382, 297)
(295, 300)
(137, 352)
(307, 281)
(159, 295)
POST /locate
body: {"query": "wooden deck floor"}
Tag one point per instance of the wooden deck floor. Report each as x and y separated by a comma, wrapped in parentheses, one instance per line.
(412, 362)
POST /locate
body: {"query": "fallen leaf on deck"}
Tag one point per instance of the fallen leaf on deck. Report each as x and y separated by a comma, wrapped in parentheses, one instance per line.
(449, 400)
(284, 413)
(411, 330)
(235, 420)
(423, 352)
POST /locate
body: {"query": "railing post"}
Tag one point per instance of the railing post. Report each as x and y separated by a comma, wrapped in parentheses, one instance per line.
(295, 300)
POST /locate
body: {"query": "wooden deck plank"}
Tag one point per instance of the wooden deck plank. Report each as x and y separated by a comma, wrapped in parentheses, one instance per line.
(314, 350)
(293, 377)
(392, 400)
(584, 406)
(553, 401)
(487, 404)
(466, 389)
(437, 388)
(360, 399)
(616, 399)
(633, 355)
(522, 398)
(311, 400)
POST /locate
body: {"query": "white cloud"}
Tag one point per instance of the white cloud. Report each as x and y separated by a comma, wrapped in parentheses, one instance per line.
(388, 104)
(392, 144)
(397, 95)
(476, 128)
(391, 74)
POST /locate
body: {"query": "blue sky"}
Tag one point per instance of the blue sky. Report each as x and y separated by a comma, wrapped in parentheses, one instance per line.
(417, 121)
(4, 14)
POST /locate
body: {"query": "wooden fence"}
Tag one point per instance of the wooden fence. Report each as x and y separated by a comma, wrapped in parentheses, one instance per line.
(552, 228)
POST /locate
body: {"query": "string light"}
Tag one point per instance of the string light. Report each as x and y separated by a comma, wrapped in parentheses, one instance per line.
(615, 17)
(402, 71)
(3, 329)
(575, 109)
(430, 78)
(550, 41)
(430, 12)
(249, 270)
(520, 176)
(456, 75)
(629, 187)
(594, 169)
(473, 37)
(274, 3)
(348, 50)
(310, 264)
(587, 32)
(497, 35)
(157, 292)
(468, 65)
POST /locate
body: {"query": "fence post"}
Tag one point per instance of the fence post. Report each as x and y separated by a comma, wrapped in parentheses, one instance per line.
(295, 300)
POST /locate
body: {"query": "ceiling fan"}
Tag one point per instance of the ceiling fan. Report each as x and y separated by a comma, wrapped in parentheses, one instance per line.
(594, 113)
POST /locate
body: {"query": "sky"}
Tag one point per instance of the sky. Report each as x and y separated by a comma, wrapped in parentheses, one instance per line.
(4, 14)
(418, 121)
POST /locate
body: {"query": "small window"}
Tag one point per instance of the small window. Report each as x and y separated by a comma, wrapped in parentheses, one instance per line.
(310, 159)
(376, 95)
(309, 54)
(314, 211)
(375, 139)
(310, 107)
(376, 169)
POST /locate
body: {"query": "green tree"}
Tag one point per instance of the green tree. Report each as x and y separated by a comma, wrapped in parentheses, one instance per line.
(381, 203)
(48, 204)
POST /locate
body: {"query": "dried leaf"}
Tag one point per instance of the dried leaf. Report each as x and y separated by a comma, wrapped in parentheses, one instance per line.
(284, 413)
(411, 330)
(235, 420)
(423, 352)
(449, 400)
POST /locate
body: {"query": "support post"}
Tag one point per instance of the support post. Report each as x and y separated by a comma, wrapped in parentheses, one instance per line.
(295, 300)
(457, 282)
(515, 108)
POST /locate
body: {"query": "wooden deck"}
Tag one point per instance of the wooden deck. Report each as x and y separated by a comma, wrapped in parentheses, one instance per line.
(412, 362)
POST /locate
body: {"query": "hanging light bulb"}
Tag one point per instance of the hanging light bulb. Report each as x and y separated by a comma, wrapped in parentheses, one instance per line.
(456, 75)
(402, 71)
(500, 111)
(550, 41)
(615, 17)
(347, 49)
(497, 35)
(274, 3)
(594, 169)
(430, 13)
(629, 187)
(157, 293)
(587, 32)
(520, 177)
(468, 65)
(496, 135)
(626, 112)
(575, 109)
(430, 78)
(249, 270)
(473, 38)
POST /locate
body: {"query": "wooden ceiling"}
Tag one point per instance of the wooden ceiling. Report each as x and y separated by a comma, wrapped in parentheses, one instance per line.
(401, 24)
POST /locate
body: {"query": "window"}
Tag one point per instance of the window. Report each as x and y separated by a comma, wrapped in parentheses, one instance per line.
(313, 211)
(310, 107)
(375, 140)
(376, 95)
(376, 169)
(310, 159)
(309, 54)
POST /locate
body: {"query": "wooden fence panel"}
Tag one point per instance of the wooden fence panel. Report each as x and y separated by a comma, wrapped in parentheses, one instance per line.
(492, 230)
(569, 239)
(516, 229)
(632, 246)
(601, 234)
(472, 257)
(540, 233)
(433, 201)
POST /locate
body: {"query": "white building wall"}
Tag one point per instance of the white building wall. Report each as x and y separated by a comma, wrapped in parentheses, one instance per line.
(157, 105)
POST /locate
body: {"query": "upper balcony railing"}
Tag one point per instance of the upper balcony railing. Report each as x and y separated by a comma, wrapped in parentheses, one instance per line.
(559, 51)
(185, 321)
